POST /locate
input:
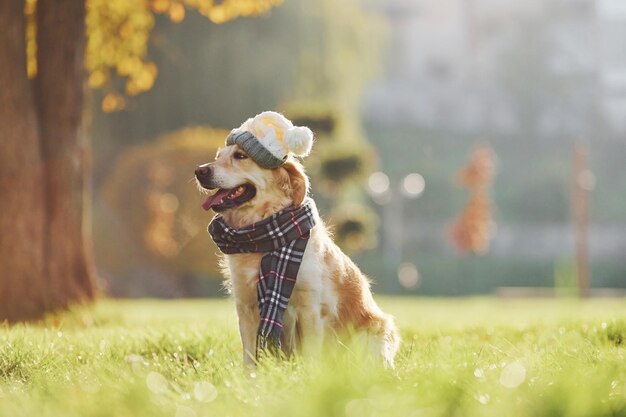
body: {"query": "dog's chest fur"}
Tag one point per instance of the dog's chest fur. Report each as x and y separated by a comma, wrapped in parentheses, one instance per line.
(244, 275)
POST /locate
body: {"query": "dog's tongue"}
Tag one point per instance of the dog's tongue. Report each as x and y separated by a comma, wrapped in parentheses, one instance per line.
(215, 199)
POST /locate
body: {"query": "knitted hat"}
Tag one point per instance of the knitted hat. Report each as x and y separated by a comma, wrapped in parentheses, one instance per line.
(268, 138)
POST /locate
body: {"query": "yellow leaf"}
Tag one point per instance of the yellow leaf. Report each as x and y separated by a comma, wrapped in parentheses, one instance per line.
(177, 12)
(97, 79)
(160, 6)
(112, 102)
(218, 15)
(128, 65)
(145, 80)
(151, 68)
(131, 88)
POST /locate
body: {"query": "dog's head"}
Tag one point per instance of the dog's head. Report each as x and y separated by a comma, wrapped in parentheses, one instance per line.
(246, 182)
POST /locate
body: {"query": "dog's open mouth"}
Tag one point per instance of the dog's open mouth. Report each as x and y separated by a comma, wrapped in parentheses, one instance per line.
(224, 199)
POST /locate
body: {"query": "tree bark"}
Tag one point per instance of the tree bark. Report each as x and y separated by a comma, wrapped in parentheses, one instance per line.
(53, 203)
(59, 94)
(22, 284)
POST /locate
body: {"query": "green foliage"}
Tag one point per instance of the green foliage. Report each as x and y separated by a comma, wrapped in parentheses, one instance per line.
(471, 357)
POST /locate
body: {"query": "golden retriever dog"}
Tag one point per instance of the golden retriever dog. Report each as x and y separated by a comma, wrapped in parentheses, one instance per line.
(331, 296)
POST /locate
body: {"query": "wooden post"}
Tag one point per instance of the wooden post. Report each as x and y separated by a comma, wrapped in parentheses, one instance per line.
(580, 212)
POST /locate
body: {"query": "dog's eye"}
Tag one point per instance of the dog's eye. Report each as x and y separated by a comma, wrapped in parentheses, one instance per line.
(240, 155)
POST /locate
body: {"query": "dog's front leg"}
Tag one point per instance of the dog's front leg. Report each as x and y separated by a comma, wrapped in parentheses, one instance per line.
(248, 324)
(311, 327)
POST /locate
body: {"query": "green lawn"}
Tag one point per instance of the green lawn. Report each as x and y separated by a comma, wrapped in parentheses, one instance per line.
(459, 357)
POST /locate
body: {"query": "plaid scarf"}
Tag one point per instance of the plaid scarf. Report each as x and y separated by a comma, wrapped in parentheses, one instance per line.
(283, 238)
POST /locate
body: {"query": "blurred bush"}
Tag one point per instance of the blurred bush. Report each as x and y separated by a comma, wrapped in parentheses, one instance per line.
(341, 161)
(354, 226)
(151, 198)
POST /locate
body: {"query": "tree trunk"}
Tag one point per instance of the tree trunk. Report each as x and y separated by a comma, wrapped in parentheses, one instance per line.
(55, 206)
(59, 93)
(22, 284)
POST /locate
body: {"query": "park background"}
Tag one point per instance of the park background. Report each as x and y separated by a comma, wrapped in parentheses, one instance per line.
(395, 87)
(463, 148)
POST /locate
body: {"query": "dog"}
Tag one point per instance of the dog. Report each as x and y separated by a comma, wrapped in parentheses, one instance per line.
(331, 297)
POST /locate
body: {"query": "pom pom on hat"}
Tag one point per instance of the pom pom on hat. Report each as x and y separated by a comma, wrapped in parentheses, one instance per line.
(299, 140)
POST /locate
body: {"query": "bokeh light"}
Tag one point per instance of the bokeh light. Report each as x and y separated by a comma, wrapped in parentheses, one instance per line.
(413, 185)
(513, 375)
(204, 391)
(587, 180)
(157, 383)
(408, 275)
(378, 183)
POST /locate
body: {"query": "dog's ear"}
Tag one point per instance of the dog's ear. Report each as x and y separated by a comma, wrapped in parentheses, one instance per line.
(298, 181)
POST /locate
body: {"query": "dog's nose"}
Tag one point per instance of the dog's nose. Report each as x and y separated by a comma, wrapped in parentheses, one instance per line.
(203, 172)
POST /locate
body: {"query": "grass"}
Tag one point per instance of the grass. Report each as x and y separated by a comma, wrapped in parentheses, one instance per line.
(460, 357)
